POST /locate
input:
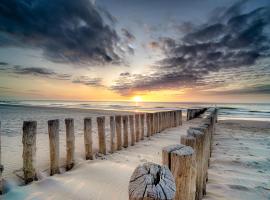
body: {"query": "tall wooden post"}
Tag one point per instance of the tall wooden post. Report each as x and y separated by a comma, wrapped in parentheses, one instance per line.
(142, 126)
(53, 130)
(125, 131)
(29, 150)
(179, 159)
(118, 127)
(88, 139)
(199, 149)
(131, 129)
(191, 141)
(1, 166)
(70, 143)
(151, 181)
(101, 135)
(112, 130)
(148, 123)
(137, 126)
(152, 123)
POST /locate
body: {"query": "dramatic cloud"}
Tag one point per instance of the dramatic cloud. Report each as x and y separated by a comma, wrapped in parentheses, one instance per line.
(128, 35)
(85, 80)
(33, 71)
(230, 40)
(65, 30)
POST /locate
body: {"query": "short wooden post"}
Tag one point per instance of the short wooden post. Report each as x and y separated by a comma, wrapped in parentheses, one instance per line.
(101, 135)
(199, 149)
(88, 139)
(142, 126)
(112, 136)
(70, 143)
(137, 127)
(29, 150)
(179, 159)
(131, 129)
(125, 131)
(118, 127)
(53, 130)
(1, 166)
(151, 181)
(191, 141)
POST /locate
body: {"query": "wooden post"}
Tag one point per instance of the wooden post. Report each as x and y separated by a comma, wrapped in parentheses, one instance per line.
(137, 126)
(70, 143)
(180, 117)
(53, 130)
(148, 123)
(125, 131)
(118, 127)
(152, 123)
(88, 139)
(199, 149)
(131, 129)
(191, 141)
(1, 166)
(179, 159)
(151, 181)
(29, 150)
(142, 126)
(112, 130)
(101, 135)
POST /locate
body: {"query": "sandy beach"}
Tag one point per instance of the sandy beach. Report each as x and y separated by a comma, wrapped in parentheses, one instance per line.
(239, 167)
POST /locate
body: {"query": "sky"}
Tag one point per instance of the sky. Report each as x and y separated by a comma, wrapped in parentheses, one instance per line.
(115, 50)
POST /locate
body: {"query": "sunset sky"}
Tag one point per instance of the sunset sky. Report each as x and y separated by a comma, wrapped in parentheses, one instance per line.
(159, 50)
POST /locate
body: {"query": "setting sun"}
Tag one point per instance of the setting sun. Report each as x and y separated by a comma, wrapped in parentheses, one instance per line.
(137, 99)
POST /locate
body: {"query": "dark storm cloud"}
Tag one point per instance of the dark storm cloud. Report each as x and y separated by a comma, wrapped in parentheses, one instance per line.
(128, 34)
(65, 30)
(33, 71)
(262, 89)
(85, 80)
(233, 40)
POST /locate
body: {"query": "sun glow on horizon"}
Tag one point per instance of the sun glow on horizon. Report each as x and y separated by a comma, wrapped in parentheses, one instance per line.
(137, 99)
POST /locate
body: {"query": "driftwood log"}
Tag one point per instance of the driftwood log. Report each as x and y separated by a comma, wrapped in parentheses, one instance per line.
(151, 182)
(29, 150)
(179, 158)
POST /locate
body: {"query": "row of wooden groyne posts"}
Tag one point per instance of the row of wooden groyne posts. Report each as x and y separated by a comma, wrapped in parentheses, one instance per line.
(184, 173)
(125, 130)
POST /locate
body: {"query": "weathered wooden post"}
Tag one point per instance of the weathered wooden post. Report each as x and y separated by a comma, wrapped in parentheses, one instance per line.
(101, 135)
(88, 139)
(191, 141)
(179, 158)
(125, 131)
(152, 123)
(70, 143)
(29, 150)
(53, 130)
(131, 129)
(180, 117)
(112, 136)
(148, 123)
(118, 127)
(137, 126)
(199, 149)
(142, 125)
(151, 181)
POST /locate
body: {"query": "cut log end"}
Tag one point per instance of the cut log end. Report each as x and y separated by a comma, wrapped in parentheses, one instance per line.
(151, 181)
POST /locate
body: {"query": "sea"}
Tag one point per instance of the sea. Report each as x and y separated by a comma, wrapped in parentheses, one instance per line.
(13, 113)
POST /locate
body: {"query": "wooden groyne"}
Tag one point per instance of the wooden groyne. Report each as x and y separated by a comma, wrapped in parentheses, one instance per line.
(124, 131)
(194, 112)
(188, 160)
